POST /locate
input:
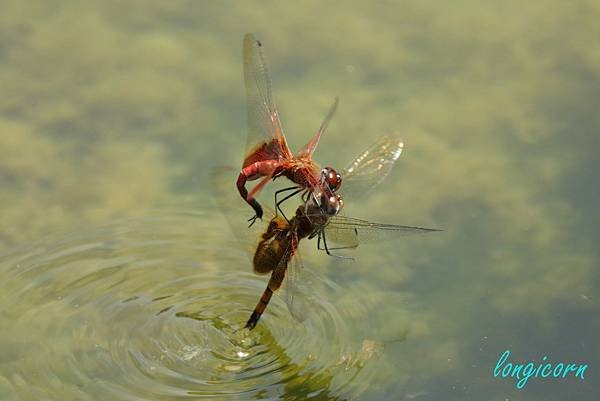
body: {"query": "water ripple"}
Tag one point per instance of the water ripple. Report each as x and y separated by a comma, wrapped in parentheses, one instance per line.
(154, 308)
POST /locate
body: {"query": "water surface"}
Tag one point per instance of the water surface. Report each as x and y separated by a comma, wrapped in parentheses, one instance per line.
(120, 279)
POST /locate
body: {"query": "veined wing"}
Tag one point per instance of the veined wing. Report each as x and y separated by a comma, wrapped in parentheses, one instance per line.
(371, 167)
(285, 279)
(291, 291)
(349, 232)
(310, 147)
(265, 135)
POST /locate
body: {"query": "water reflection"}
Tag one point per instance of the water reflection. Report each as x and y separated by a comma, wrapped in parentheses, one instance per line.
(153, 308)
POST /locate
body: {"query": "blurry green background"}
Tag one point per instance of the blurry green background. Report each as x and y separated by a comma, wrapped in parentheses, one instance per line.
(109, 109)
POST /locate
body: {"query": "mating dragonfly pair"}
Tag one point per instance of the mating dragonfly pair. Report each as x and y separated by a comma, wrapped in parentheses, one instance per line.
(269, 157)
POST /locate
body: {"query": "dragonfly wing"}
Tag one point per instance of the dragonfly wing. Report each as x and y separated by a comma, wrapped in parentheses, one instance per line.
(292, 292)
(349, 232)
(310, 147)
(279, 274)
(371, 167)
(340, 239)
(265, 135)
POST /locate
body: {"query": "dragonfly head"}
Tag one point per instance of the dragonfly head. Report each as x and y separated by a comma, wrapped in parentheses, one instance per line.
(330, 204)
(332, 178)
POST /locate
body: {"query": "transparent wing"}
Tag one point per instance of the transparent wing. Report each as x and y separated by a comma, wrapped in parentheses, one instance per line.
(285, 280)
(341, 238)
(265, 135)
(291, 291)
(371, 167)
(348, 232)
(310, 147)
(279, 272)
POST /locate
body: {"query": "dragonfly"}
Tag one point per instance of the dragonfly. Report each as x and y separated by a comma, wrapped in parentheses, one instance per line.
(320, 216)
(278, 247)
(268, 155)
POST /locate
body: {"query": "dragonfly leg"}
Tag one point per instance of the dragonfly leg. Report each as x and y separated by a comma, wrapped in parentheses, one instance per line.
(250, 197)
(258, 212)
(279, 202)
(306, 196)
(327, 249)
(252, 219)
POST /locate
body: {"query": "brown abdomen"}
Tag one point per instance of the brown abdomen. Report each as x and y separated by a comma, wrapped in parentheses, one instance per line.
(268, 254)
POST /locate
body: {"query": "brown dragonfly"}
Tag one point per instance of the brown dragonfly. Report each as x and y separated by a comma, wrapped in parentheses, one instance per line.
(279, 246)
(277, 249)
(267, 153)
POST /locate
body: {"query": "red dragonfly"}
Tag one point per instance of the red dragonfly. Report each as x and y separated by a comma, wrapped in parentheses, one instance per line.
(277, 250)
(268, 155)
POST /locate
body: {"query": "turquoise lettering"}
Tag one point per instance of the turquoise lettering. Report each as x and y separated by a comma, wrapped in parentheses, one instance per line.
(501, 361)
(544, 370)
(506, 372)
(537, 371)
(522, 372)
(556, 368)
(527, 373)
(571, 367)
(581, 370)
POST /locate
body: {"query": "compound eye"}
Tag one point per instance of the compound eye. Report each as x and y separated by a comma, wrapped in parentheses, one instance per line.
(332, 178)
(331, 205)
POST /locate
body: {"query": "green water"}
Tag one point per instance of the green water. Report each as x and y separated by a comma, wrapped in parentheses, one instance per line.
(120, 279)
